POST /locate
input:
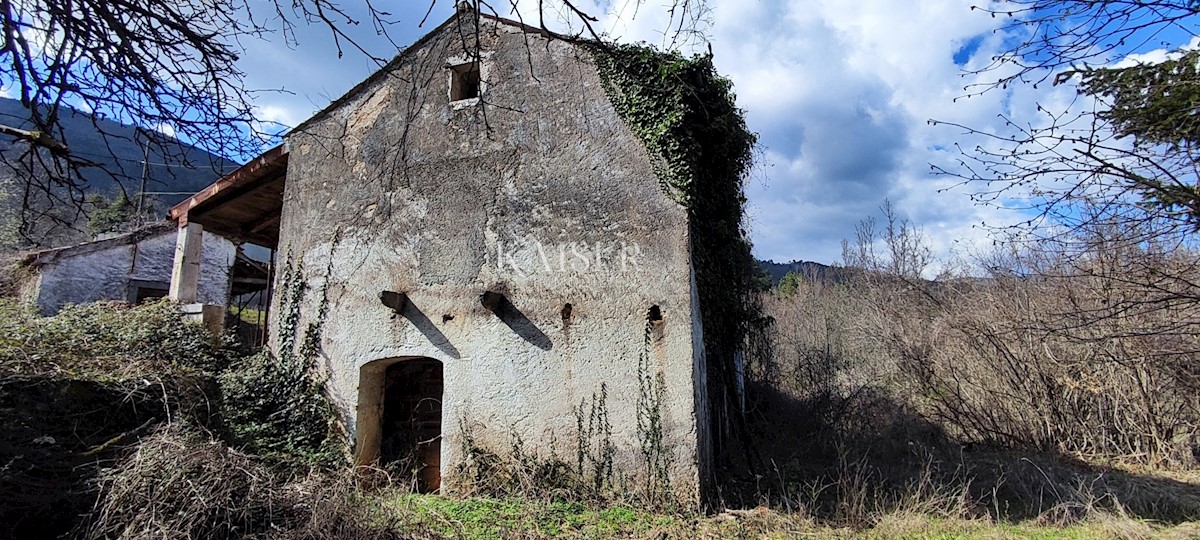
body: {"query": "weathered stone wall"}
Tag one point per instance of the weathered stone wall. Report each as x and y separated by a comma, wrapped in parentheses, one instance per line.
(539, 193)
(105, 274)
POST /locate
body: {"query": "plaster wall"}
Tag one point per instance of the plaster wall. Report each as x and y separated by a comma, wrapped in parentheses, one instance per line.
(537, 191)
(105, 274)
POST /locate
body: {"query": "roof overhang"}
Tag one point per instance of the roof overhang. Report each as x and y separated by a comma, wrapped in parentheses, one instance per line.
(244, 205)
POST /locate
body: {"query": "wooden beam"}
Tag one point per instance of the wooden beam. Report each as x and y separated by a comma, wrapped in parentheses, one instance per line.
(255, 171)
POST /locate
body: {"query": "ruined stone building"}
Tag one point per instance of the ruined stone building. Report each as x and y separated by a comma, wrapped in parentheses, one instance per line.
(130, 267)
(487, 251)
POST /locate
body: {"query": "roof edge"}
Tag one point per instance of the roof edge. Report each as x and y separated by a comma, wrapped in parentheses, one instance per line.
(245, 174)
(47, 256)
(383, 70)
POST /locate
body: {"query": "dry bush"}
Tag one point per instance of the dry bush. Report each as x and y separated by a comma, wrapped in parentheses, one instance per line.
(1068, 360)
(181, 484)
(76, 390)
(1080, 356)
(81, 391)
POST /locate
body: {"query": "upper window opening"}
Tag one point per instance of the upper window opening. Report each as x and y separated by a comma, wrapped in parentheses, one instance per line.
(464, 81)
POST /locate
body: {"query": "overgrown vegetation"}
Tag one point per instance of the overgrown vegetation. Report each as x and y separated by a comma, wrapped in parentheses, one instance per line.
(152, 415)
(544, 475)
(78, 388)
(686, 116)
(282, 409)
(1058, 388)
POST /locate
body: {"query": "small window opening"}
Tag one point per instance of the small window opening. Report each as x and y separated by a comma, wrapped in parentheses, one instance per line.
(566, 312)
(140, 291)
(464, 81)
(654, 324)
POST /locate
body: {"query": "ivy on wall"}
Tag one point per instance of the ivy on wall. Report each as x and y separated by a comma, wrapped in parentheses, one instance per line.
(685, 115)
(276, 406)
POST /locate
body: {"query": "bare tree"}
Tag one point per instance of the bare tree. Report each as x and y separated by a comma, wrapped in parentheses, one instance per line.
(1124, 150)
(1053, 35)
(173, 66)
(905, 250)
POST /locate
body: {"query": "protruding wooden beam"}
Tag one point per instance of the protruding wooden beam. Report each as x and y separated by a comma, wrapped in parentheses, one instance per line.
(394, 300)
(492, 300)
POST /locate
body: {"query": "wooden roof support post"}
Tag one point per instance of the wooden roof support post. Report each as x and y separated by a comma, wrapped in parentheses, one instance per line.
(185, 276)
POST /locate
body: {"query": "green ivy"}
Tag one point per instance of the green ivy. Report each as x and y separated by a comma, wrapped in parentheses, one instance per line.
(276, 407)
(686, 117)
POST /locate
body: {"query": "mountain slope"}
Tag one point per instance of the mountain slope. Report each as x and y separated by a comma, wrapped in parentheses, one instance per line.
(112, 156)
(812, 271)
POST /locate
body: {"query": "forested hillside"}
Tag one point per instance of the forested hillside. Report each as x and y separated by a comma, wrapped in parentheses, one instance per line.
(54, 209)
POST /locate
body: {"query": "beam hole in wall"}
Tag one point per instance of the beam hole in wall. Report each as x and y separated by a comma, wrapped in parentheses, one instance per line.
(447, 318)
(400, 419)
(566, 312)
(654, 319)
(465, 82)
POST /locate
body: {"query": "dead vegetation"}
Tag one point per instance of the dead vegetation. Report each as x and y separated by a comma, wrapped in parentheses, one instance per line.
(1011, 406)
(116, 425)
(180, 484)
(1061, 388)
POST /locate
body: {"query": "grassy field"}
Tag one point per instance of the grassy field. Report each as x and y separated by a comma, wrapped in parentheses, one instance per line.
(494, 519)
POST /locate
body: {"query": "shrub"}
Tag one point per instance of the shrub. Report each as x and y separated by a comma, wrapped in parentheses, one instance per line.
(105, 339)
(276, 408)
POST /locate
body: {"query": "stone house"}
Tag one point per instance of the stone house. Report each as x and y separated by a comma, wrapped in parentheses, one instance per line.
(487, 253)
(130, 267)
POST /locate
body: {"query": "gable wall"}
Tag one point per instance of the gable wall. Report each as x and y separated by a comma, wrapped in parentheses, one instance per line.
(398, 190)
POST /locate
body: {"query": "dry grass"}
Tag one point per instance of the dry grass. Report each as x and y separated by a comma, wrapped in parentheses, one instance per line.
(181, 484)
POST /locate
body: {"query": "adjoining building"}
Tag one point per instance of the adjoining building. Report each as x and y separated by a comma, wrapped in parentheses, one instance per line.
(131, 267)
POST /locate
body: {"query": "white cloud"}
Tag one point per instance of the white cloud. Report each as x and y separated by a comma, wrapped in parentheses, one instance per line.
(1157, 56)
(840, 92)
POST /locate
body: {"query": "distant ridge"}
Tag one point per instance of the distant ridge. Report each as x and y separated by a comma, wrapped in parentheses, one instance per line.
(116, 153)
(116, 148)
(811, 271)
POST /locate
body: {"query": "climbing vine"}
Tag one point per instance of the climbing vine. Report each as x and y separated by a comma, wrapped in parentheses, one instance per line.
(685, 115)
(656, 457)
(276, 406)
(594, 449)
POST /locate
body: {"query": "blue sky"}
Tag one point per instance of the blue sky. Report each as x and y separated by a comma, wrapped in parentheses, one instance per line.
(840, 93)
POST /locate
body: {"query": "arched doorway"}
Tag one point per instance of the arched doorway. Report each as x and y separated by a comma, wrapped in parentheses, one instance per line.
(400, 418)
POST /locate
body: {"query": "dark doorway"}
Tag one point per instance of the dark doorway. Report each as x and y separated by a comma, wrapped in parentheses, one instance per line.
(411, 425)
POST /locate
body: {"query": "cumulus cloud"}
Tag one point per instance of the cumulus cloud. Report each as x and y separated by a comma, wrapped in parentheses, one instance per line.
(840, 92)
